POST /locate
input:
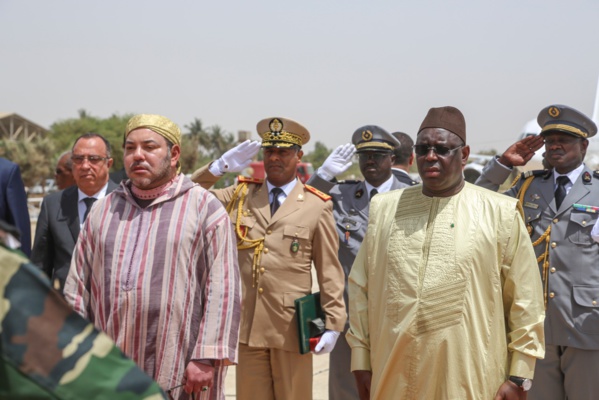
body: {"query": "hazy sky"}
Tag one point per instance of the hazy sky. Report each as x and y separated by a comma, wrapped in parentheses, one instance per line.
(332, 65)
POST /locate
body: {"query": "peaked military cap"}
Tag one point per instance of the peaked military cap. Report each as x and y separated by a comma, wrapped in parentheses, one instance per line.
(373, 138)
(282, 132)
(560, 118)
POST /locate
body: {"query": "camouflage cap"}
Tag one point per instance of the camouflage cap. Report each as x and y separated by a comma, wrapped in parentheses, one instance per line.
(374, 138)
(564, 119)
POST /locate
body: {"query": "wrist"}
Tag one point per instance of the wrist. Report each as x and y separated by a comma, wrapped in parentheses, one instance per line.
(505, 162)
(324, 174)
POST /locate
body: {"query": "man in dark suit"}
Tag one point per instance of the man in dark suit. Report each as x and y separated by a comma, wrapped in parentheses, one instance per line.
(404, 158)
(63, 213)
(351, 202)
(13, 202)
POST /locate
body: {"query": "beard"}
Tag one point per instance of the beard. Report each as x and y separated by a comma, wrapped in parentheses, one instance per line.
(159, 175)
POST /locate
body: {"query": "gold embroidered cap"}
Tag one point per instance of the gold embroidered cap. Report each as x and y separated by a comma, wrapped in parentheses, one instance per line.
(282, 132)
(374, 138)
(159, 124)
(564, 119)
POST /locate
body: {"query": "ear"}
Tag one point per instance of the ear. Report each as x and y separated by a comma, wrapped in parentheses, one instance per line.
(411, 159)
(465, 155)
(110, 162)
(175, 155)
(300, 154)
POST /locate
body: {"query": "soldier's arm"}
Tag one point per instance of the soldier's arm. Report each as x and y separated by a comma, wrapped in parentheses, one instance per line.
(329, 272)
(320, 183)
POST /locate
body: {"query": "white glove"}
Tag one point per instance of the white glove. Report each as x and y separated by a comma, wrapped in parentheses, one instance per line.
(337, 162)
(237, 159)
(327, 342)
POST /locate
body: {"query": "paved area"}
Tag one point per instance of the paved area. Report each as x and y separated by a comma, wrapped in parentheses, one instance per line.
(320, 383)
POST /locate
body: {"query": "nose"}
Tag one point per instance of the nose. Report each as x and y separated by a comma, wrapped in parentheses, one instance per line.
(431, 154)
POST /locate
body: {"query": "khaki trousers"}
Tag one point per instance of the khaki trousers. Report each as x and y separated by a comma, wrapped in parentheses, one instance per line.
(273, 374)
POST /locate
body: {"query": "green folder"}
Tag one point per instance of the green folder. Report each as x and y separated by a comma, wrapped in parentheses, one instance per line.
(310, 320)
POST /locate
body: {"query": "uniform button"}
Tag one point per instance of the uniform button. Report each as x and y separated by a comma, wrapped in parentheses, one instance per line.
(552, 295)
(594, 302)
(268, 232)
(265, 251)
(552, 270)
(260, 290)
(555, 221)
(584, 223)
(553, 245)
(262, 270)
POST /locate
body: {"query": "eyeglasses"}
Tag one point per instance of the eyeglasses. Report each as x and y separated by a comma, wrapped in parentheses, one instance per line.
(372, 155)
(423, 149)
(94, 160)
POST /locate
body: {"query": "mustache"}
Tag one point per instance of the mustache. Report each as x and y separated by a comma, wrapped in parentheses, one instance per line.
(139, 164)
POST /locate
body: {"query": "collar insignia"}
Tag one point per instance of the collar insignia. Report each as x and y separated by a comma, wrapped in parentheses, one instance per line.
(359, 193)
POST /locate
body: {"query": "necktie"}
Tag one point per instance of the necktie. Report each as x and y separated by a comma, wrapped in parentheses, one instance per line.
(89, 201)
(373, 193)
(560, 192)
(274, 206)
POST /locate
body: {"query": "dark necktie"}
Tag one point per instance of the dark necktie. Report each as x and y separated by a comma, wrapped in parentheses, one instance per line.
(560, 192)
(89, 202)
(274, 206)
(373, 193)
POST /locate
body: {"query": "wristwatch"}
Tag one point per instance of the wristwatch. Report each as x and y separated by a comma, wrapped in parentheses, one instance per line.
(523, 383)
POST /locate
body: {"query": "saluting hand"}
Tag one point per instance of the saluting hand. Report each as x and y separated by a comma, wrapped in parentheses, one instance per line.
(337, 162)
(522, 151)
(237, 159)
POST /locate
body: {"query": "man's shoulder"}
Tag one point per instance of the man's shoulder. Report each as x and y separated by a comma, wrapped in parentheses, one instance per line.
(317, 193)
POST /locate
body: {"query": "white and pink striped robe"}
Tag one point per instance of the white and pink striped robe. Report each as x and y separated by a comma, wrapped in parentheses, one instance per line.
(162, 281)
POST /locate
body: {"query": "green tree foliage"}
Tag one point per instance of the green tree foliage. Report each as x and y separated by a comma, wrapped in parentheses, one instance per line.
(64, 132)
(35, 158)
(317, 157)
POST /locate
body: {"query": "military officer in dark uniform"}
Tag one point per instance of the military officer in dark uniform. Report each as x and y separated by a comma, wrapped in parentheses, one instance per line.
(404, 158)
(558, 212)
(351, 199)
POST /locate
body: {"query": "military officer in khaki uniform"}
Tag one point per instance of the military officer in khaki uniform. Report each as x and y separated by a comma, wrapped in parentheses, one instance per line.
(282, 227)
(351, 200)
(559, 210)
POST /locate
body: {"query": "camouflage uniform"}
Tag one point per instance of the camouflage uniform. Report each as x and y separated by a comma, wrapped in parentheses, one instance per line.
(50, 352)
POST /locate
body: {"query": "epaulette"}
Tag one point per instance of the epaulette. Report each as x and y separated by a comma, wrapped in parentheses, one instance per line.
(245, 179)
(348, 181)
(318, 193)
(536, 172)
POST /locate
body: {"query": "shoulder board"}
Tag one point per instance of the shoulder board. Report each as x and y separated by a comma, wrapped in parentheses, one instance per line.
(596, 174)
(348, 181)
(242, 179)
(536, 172)
(318, 193)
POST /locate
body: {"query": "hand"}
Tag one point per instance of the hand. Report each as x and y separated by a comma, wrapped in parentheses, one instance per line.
(197, 376)
(510, 391)
(363, 380)
(522, 151)
(327, 342)
(237, 159)
(337, 162)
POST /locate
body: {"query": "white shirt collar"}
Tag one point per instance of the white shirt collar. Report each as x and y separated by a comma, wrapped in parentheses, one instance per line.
(572, 175)
(100, 194)
(287, 188)
(384, 187)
